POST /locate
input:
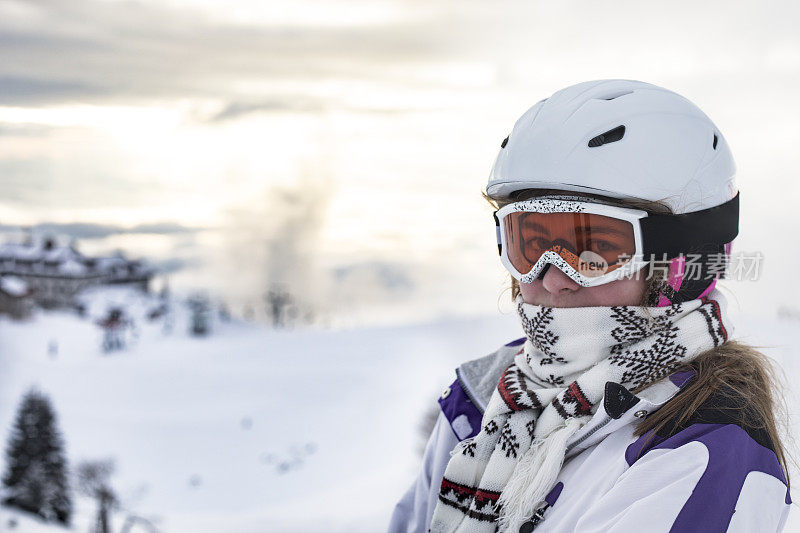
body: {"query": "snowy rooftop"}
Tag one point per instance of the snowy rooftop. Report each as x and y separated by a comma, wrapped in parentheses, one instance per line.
(66, 260)
(72, 267)
(13, 285)
(39, 251)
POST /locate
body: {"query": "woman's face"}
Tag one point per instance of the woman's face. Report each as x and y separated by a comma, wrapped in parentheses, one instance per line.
(556, 289)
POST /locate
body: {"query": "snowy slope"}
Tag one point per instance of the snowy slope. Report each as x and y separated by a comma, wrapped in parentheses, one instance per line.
(254, 430)
(209, 425)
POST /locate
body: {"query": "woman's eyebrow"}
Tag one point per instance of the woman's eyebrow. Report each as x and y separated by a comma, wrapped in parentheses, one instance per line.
(601, 229)
(535, 226)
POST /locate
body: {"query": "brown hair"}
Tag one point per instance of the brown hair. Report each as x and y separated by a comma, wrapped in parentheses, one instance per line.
(733, 369)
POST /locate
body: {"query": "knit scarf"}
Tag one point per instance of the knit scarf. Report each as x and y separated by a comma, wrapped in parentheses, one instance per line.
(495, 480)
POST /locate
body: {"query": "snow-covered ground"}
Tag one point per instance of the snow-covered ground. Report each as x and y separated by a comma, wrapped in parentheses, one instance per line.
(258, 430)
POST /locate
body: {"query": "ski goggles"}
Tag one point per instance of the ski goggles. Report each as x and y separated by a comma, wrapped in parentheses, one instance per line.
(594, 243)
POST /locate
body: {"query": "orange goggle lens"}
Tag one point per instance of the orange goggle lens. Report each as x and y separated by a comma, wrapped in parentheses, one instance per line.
(591, 244)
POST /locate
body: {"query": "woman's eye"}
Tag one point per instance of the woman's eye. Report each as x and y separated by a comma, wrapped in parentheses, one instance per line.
(539, 243)
(602, 246)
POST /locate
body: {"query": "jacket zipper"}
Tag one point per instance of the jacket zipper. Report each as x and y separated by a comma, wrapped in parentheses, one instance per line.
(537, 517)
(603, 423)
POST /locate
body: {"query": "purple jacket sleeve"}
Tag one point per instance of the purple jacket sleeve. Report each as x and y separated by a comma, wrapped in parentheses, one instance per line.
(706, 478)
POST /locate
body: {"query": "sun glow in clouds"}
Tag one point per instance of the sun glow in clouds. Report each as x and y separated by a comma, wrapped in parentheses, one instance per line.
(223, 118)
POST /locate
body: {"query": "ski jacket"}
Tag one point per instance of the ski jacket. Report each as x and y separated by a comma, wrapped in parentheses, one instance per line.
(708, 474)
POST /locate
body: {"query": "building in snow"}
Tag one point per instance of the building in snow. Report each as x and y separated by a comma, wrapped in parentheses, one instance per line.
(54, 273)
(15, 297)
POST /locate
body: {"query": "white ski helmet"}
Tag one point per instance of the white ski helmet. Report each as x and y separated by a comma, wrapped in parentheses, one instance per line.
(629, 140)
(619, 138)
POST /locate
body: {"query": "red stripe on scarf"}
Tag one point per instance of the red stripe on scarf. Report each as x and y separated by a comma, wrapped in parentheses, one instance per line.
(578, 395)
(471, 491)
(718, 314)
(507, 396)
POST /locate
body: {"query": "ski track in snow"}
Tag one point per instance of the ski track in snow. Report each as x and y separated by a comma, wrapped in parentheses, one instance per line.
(200, 427)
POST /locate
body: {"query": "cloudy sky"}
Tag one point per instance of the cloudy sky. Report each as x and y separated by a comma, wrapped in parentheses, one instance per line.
(341, 146)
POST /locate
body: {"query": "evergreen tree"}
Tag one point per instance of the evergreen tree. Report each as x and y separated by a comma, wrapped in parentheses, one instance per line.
(36, 467)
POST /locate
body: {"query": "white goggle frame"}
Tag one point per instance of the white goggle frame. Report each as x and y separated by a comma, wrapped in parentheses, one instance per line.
(562, 204)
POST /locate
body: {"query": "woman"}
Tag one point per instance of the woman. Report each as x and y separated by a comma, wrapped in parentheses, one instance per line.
(626, 406)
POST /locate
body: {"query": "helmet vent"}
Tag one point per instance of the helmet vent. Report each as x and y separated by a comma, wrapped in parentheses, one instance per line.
(614, 95)
(714, 144)
(610, 136)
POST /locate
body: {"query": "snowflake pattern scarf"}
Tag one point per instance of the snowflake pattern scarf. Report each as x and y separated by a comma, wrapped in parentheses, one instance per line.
(496, 480)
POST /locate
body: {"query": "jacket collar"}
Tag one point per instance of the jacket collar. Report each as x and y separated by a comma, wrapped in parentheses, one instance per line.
(620, 407)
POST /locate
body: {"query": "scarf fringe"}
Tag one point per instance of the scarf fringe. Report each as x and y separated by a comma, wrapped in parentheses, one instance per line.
(535, 476)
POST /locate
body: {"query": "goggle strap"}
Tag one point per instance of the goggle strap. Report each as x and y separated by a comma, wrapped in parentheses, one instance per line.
(676, 234)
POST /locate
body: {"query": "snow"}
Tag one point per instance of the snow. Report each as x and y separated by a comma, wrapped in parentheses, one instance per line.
(252, 429)
(36, 257)
(22, 251)
(62, 254)
(36, 251)
(13, 285)
(72, 267)
(110, 262)
(12, 520)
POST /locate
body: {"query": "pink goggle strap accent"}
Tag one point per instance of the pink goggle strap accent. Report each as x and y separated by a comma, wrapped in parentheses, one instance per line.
(675, 277)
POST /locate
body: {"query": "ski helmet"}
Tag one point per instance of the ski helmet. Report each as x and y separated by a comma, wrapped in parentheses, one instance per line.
(627, 140)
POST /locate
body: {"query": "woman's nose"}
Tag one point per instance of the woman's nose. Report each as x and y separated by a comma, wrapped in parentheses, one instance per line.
(556, 282)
